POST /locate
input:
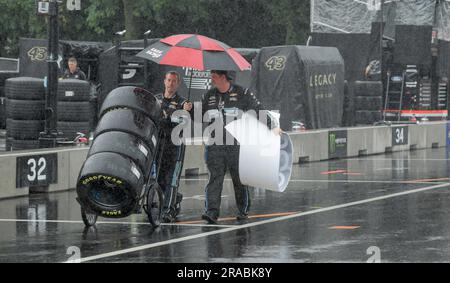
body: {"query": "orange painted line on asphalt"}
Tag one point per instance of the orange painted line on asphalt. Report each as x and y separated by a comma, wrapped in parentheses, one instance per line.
(272, 215)
(353, 174)
(344, 227)
(190, 222)
(333, 172)
(234, 218)
(428, 180)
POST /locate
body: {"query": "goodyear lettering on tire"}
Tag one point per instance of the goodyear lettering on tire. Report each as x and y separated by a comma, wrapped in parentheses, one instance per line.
(95, 178)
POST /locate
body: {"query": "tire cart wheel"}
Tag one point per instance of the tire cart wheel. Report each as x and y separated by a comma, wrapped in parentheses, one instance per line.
(154, 205)
(89, 219)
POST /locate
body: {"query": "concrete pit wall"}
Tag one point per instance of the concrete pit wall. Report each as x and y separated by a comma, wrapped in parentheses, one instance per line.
(308, 147)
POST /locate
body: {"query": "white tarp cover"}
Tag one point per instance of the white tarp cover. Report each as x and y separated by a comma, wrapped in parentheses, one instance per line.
(356, 16)
(443, 20)
(265, 159)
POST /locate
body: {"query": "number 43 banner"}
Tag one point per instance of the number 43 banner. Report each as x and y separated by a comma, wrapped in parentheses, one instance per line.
(39, 170)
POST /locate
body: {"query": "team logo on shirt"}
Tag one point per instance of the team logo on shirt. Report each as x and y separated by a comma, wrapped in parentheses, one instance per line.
(212, 101)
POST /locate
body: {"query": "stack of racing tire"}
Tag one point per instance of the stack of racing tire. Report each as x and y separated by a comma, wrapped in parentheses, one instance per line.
(112, 180)
(368, 102)
(4, 75)
(25, 112)
(75, 111)
(2, 108)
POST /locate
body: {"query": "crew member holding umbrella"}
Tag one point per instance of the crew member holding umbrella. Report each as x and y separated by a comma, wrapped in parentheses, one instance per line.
(204, 53)
(171, 101)
(226, 97)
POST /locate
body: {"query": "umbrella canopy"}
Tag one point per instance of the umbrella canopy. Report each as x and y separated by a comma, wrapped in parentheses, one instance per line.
(195, 51)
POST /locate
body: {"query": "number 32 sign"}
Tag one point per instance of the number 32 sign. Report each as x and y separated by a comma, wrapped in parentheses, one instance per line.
(36, 170)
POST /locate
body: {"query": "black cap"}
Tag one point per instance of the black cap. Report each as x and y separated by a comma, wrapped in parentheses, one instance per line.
(222, 72)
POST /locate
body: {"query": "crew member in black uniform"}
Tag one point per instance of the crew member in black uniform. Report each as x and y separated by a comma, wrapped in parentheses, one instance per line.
(225, 97)
(73, 72)
(170, 102)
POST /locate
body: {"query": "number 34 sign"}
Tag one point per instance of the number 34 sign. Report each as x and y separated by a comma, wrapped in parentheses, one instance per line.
(39, 170)
(400, 135)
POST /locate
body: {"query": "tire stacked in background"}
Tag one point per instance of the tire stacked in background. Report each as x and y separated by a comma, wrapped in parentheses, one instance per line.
(25, 112)
(2, 112)
(75, 112)
(368, 102)
(2, 107)
(3, 77)
(112, 179)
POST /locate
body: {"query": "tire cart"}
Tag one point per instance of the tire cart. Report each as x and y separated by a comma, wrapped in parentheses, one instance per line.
(118, 151)
(152, 199)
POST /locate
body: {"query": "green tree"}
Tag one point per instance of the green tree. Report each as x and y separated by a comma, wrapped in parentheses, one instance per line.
(239, 23)
(97, 21)
(18, 19)
(294, 15)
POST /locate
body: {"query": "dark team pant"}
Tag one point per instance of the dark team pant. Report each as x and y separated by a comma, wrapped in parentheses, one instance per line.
(218, 159)
(167, 169)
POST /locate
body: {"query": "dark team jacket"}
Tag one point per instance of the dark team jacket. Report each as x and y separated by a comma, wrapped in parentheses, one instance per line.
(236, 97)
(169, 106)
(78, 75)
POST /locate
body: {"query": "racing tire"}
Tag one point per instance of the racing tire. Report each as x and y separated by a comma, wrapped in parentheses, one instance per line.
(110, 185)
(75, 111)
(2, 113)
(125, 144)
(24, 88)
(74, 90)
(25, 109)
(13, 144)
(368, 88)
(368, 117)
(369, 103)
(24, 129)
(132, 98)
(129, 121)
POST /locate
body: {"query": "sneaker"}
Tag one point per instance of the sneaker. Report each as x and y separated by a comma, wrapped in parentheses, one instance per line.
(242, 217)
(167, 217)
(209, 219)
(179, 197)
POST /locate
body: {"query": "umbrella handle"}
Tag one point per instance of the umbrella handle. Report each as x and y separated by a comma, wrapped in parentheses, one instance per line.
(190, 85)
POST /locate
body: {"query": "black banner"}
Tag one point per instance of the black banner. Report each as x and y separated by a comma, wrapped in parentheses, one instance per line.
(354, 48)
(443, 63)
(306, 84)
(37, 170)
(33, 58)
(337, 144)
(412, 45)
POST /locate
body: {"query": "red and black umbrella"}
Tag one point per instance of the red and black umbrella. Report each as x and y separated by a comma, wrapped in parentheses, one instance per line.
(195, 51)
